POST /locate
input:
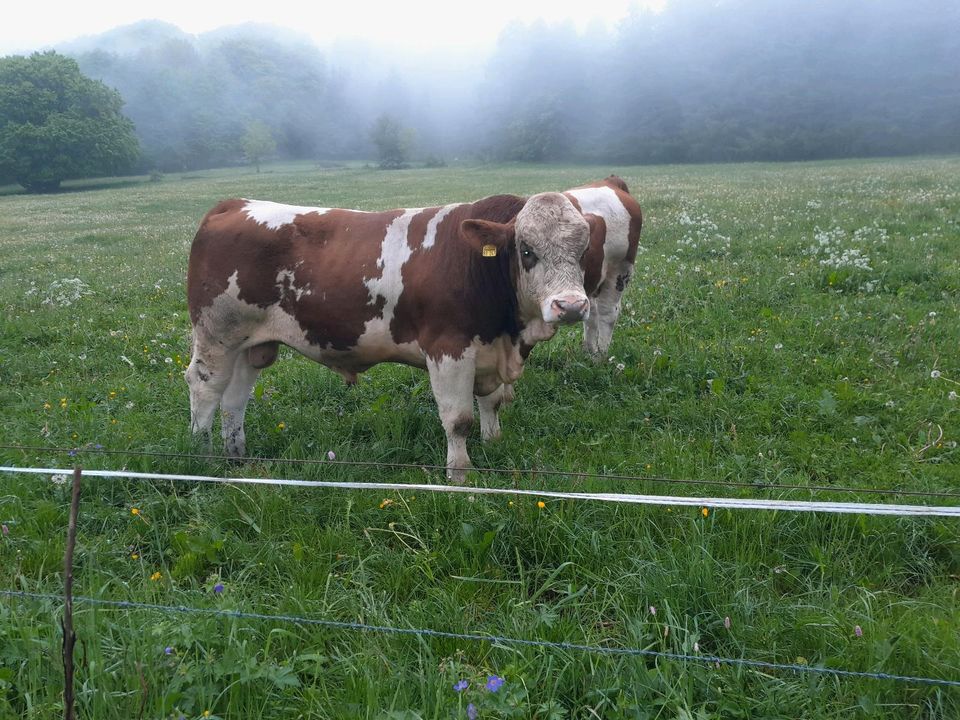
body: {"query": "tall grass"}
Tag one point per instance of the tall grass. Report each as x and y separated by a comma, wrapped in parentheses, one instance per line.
(788, 324)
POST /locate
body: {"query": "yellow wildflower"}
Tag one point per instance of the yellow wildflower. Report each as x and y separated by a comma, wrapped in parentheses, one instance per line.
(156, 576)
(281, 426)
(134, 511)
(386, 502)
(541, 504)
(705, 511)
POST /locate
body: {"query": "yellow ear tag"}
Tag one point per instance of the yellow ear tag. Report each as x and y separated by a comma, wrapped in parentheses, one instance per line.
(489, 251)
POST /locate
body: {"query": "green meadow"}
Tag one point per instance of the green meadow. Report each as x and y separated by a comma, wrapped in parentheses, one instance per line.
(788, 324)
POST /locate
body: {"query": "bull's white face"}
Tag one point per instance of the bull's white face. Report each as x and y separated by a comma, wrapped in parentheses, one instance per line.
(551, 238)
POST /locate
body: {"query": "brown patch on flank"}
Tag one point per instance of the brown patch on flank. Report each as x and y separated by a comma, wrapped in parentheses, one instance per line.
(592, 260)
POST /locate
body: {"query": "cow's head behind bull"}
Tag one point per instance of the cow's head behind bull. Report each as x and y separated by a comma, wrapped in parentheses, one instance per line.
(546, 242)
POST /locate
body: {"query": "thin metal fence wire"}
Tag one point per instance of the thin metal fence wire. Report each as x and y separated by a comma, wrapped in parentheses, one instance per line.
(515, 472)
(494, 639)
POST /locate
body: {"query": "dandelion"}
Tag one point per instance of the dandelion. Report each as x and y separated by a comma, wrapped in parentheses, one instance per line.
(331, 455)
(705, 512)
(58, 479)
(461, 685)
(387, 502)
(726, 622)
(281, 426)
(134, 511)
(541, 504)
(494, 683)
(156, 576)
(472, 711)
(134, 556)
(63, 403)
(858, 631)
(46, 406)
(934, 374)
(218, 588)
(510, 503)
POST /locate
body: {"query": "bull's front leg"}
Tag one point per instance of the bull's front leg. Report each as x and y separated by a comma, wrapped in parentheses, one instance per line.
(452, 382)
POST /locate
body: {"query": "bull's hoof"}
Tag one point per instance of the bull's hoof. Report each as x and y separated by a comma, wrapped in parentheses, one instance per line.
(491, 436)
(457, 476)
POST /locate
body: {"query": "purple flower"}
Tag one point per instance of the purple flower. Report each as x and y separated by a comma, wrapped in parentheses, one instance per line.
(858, 631)
(331, 455)
(472, 711)
(4, 529)
(494, 683)
(461, 685)
(72, 453)
(98, 446)
(218, 588)
(168, 650)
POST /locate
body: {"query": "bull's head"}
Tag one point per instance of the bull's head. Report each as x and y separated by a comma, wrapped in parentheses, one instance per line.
(546, 241)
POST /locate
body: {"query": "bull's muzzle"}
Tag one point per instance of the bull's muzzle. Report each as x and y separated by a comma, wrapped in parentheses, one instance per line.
(568, 308)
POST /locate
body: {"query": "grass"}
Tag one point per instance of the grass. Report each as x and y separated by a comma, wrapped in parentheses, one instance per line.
(788, 324)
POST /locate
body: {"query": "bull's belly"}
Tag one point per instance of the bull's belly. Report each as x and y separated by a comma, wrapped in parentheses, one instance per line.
(240, 326)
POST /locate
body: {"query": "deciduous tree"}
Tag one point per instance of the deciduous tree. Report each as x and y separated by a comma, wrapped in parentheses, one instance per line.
(57, 124)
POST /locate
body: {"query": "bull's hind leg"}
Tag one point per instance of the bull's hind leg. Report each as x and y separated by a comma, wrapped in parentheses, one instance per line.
(452, 382)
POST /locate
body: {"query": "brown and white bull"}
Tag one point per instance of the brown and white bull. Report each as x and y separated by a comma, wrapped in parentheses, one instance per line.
(464, 290)
(608, 265)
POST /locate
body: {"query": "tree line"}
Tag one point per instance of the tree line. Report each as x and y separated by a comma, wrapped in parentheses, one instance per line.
(733, 80)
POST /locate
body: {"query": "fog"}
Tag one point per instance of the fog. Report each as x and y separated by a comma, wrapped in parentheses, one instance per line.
(736, 80)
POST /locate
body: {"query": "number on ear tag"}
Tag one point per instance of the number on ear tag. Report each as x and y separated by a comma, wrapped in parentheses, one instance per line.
(489, 250)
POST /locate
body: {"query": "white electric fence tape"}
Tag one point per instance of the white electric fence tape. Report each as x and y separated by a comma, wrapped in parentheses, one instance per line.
(629, 498)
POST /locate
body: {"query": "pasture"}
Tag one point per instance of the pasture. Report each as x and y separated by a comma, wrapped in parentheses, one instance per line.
(787, 325)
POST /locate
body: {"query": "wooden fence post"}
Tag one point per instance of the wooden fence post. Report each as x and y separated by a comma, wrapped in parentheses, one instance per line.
(69, 638)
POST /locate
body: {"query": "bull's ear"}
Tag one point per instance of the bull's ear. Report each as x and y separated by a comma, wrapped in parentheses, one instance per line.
(486, 237)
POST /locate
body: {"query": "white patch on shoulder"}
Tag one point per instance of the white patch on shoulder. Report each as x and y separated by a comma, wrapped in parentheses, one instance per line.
(394, 252)
(603, 201)
(275, 215)
(431, 237)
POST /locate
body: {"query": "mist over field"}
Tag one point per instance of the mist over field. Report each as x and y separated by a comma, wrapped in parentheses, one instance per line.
(696, 81)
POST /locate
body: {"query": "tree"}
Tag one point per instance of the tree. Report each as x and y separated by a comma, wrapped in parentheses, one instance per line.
(57, 124)
(258, 143)
(393, 141)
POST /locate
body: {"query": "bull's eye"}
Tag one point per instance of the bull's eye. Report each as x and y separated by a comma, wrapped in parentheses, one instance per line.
(528, 258)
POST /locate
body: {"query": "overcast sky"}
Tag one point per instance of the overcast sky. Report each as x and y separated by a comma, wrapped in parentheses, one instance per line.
(404, 23)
